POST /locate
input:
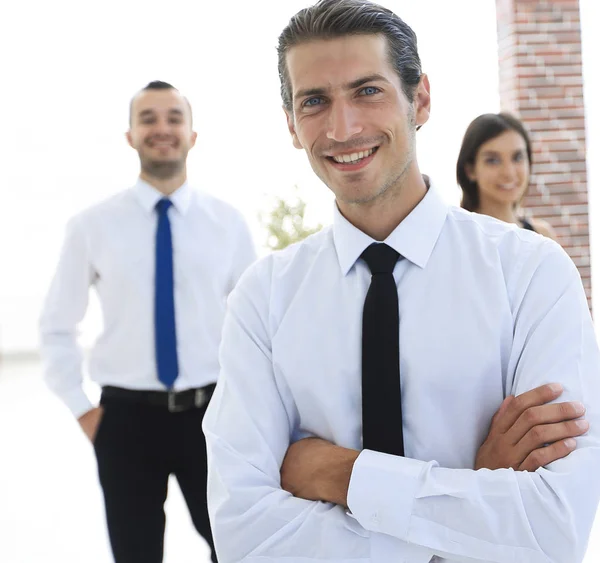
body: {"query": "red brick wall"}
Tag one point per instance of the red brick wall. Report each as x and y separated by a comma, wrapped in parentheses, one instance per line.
(539, 48)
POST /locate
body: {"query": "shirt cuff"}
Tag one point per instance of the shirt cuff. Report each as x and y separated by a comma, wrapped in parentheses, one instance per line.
(382, 491)
(77, 401)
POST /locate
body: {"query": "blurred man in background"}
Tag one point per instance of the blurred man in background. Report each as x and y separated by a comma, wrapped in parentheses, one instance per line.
(162, 258)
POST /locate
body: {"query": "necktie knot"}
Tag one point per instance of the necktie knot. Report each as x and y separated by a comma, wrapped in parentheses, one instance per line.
(380, 258)
(163, 205)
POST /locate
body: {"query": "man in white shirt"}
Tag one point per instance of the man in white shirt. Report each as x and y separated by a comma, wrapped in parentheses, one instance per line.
(162, 258)
(321, 451)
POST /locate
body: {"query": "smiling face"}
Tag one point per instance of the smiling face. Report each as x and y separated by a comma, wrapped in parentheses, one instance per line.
(501, 170)
(351, 116)
(161, 131)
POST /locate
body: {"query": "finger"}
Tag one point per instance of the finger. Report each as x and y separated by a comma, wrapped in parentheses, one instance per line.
(538, 417)
(543, 456)
(540, 436)
(500, 413)
(536, 397)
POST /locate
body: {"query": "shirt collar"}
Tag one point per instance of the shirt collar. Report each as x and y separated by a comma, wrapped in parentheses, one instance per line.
(414, 238)
(149, 196)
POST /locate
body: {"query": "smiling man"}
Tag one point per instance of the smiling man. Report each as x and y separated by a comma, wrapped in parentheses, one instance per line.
(162, 258)
(389, 387)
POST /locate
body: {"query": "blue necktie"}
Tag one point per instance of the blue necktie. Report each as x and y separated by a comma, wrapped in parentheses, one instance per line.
(164, 301)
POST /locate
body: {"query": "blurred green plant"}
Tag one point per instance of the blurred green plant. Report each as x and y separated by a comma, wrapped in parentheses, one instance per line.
(285, 222)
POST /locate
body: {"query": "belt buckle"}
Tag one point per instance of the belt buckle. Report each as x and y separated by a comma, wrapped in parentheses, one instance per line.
(199, 398)
(172, 402)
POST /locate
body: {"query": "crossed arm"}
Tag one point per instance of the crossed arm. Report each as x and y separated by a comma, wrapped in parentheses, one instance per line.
(521, 502)
(526, 433)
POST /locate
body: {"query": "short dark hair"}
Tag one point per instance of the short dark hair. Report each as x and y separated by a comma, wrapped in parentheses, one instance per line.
(330, 19)
(157, 85)
(482, 129)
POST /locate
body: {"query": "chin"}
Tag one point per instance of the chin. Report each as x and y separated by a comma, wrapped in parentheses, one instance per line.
(514, 200)
(355, 196)
(506, 197)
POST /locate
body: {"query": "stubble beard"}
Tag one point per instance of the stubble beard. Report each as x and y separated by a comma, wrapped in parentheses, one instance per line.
(162, 169)
(392, 186)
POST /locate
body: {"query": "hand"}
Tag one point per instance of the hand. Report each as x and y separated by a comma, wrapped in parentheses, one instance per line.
(89, 422)
(315, 469)
(524, 425)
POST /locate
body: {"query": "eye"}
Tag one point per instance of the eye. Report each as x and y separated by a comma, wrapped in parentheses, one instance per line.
(519, 157)
(311, 102)
(369, 91)
(492, 160)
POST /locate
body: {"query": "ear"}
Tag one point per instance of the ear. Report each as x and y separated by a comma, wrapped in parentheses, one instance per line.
(292, 128)
(193, 138)
(470, 172)
(422, 101)
(129, 140)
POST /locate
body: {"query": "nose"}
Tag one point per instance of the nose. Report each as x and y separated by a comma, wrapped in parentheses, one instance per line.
(344, 122)
(508, 171)
(161, 127)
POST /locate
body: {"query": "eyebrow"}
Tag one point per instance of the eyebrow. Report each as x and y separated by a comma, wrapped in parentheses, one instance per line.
(496, 153)
(349, 86)
(150, 112)
(146, 113)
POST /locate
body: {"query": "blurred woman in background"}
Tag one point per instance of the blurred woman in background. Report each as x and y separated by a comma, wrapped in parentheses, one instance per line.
(493, 170)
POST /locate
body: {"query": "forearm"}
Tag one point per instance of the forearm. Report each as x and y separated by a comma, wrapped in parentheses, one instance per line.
(64, 308)
(63, 369)
(254, 519)
(462, 514)
(315, 469)
(337, 480)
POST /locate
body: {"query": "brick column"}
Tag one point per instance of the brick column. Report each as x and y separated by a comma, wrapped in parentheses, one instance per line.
(539, 49)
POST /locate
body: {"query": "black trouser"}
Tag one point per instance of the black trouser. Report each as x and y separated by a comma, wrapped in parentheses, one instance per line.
(137, 447)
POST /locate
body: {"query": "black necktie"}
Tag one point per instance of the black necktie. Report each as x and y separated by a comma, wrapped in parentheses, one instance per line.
(381, 401)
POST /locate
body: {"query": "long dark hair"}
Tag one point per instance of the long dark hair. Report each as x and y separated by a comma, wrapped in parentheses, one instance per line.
(482, 129)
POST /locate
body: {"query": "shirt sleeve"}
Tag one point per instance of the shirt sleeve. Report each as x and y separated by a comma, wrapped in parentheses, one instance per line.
(505, 515)
(248, 428)
(64, 308)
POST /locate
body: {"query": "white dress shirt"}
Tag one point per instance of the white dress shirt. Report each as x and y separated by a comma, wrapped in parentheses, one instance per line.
(111, 246)
(486, 310)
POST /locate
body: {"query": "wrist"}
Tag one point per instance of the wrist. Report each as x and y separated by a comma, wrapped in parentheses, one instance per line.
(335, 475)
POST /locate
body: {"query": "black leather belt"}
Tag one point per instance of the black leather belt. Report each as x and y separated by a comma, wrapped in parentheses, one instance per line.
(173, 401)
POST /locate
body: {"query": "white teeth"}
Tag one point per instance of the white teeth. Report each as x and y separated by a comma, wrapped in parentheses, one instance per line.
(354, 157)
(161, 143)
